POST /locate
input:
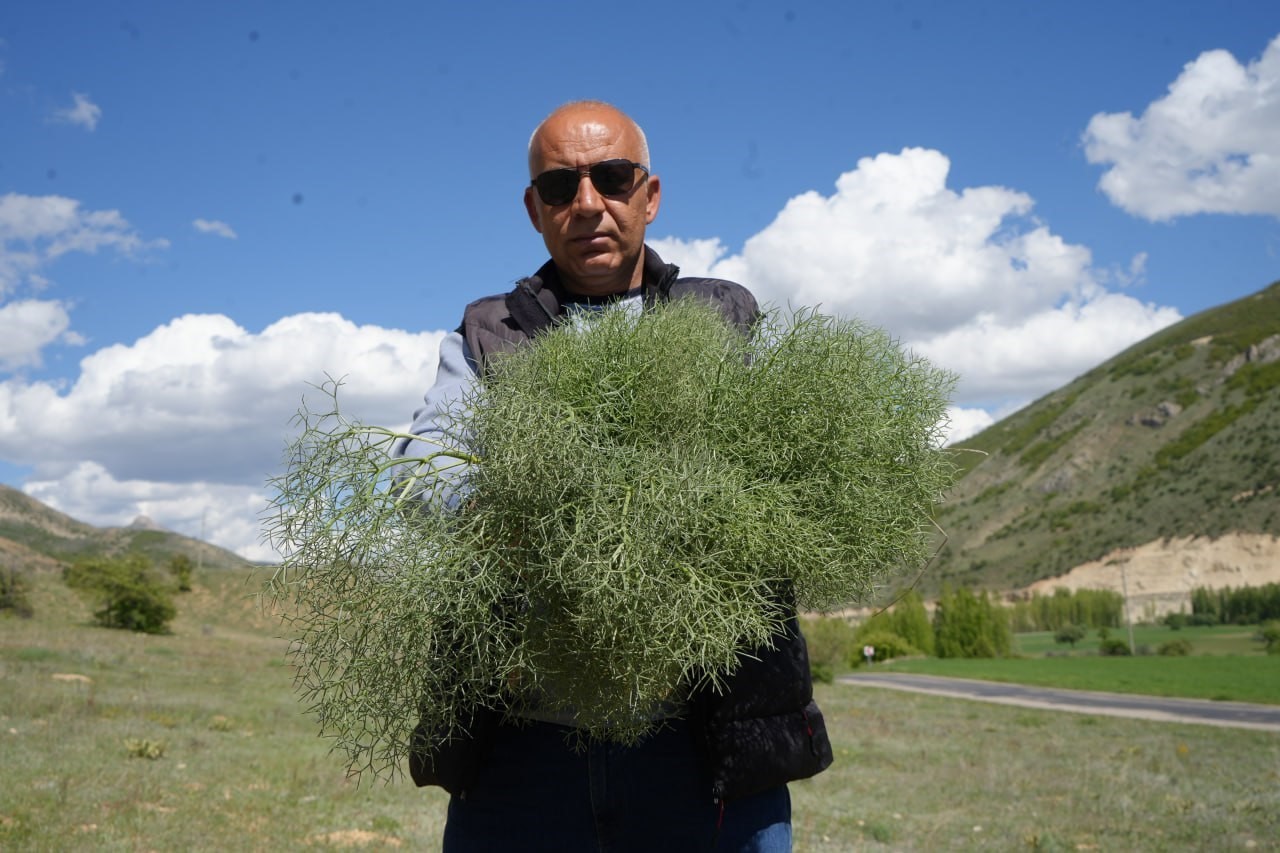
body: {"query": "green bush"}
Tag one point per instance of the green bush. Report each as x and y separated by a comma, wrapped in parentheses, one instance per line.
(1175, 621)
(181, 567)
(1070, 634)
(1180, 647)
(1113, 647)
(13, 594)
(129, 593)
(887, 644)
(910, 621)
(832, 642)
(1269, 634)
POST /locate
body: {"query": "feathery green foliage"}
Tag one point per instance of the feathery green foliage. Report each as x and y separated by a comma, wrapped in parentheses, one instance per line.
(649, 497)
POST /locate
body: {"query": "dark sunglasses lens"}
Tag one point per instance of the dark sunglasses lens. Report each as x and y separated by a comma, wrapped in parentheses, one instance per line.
(557, 186)
(610, 177)
(613, 177)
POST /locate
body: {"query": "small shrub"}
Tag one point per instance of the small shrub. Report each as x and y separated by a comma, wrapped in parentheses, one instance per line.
(13, 594)
(1071, 634)
(128, 592)
(1180, 647)
(1269, 634)
(887, 644)
(1175, 621)
(181, 567)
(831, 642)
(1113, 647)
(145, 748)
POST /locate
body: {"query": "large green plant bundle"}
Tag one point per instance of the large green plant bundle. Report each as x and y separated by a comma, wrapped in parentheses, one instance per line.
(649, 497)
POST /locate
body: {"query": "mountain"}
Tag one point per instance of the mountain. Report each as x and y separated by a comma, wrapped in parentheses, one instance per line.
(1172, 444)
(1175, 440)
(34, 536)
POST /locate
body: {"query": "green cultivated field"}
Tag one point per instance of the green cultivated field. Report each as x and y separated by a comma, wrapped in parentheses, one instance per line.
(1226, 664)
(194, 741)
(1205, 640)
(1253, 678)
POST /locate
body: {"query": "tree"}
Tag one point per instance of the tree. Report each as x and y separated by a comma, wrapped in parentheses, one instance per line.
(910, 621)
(1070, 634)
(970, 626)
(1269, 634)
(1109, 646)
(181, 567)
(127, 590)
(13, 593)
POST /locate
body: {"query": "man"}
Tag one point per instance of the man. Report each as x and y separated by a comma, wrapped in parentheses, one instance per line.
(713, 776)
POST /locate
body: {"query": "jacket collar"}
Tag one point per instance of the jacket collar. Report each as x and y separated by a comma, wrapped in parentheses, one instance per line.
(538, 301)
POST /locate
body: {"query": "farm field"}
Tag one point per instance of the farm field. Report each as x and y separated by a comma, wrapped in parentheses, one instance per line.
(1226, 664)
(195, 741)
(1252, 678)
(1204, 640)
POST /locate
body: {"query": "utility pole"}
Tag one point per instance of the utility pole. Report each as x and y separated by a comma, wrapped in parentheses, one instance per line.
(204, 514)
(1124, 584)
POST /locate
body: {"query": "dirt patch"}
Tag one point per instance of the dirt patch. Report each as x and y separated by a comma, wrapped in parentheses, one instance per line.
(354, 838)
(1160, 575)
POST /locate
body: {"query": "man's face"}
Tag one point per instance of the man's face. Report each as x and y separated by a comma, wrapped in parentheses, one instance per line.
(596, 241)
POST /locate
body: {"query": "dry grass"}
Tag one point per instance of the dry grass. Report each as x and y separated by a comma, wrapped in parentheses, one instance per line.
(240, 768)
(918, 772)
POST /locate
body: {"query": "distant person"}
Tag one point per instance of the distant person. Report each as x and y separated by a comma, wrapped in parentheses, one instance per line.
(714, 774)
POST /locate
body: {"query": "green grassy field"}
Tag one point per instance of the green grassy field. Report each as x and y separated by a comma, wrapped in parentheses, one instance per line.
(1253, 678)
(1205, 640)
(236, 765)
(1226, 663)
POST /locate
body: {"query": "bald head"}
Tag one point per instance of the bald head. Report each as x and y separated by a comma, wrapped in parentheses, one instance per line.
(595, 236)
(577, 114)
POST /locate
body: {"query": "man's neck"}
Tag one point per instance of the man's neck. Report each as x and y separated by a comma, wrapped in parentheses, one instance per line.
(592, 299)
(604, 291)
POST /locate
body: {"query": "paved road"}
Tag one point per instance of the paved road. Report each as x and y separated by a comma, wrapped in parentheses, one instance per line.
(1235, 714)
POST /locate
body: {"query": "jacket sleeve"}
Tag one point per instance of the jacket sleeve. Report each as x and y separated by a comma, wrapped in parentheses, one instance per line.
(437, 425)
(764, 729)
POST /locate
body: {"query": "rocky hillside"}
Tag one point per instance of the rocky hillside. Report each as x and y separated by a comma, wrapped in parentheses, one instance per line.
(35, 537)
(1175, 440)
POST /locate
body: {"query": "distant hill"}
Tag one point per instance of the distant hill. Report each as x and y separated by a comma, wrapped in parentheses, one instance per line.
(34, 536)
(1171, 443)
(1176, 439)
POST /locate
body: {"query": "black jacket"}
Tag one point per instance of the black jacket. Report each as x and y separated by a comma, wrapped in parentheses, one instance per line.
(763, 729)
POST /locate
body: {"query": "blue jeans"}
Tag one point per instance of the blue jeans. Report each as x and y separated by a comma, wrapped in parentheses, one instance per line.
(537, 792)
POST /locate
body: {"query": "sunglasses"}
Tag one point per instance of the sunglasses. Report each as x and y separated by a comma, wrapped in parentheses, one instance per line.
(609, 177)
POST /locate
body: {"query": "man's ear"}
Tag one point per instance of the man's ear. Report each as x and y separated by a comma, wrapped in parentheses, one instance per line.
(654, 199)
(531, 207)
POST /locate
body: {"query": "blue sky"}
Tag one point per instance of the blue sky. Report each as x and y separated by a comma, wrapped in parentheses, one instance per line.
(205, 207)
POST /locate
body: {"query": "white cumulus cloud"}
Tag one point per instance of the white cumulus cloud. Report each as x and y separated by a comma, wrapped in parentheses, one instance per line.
(185, 424)
(215, 227)
(37, 230)
(227, 515)
(197, 414)
(968, 278)
(27, 326)
(82, 112)
(34, 232)
(962, 423)
(1211, 144)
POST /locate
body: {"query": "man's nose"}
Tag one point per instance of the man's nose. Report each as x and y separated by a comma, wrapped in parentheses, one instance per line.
(587, 200)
